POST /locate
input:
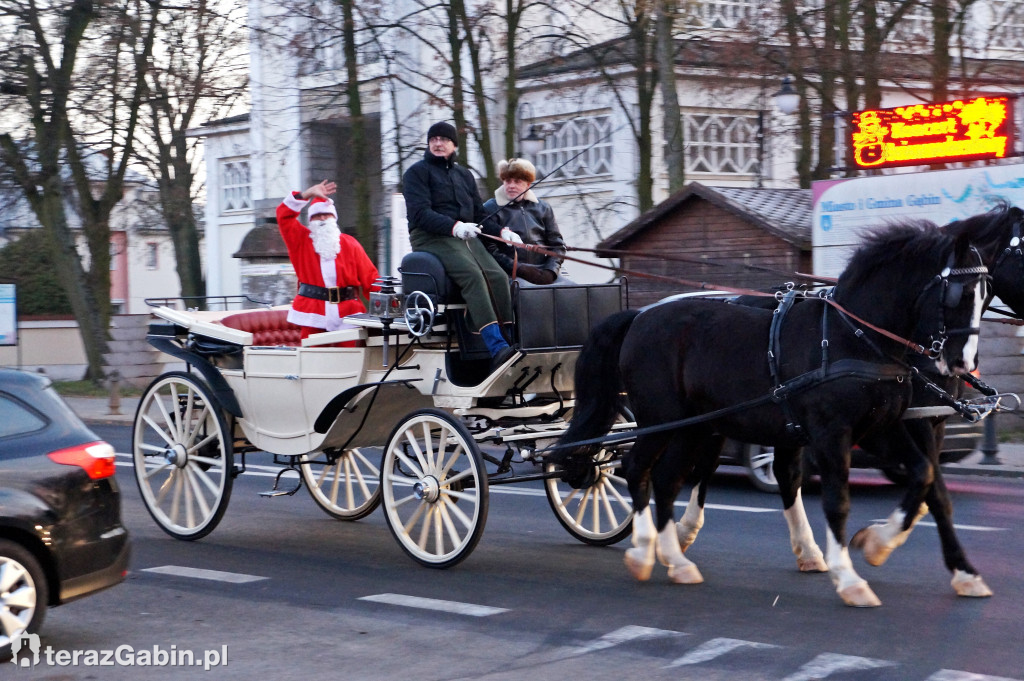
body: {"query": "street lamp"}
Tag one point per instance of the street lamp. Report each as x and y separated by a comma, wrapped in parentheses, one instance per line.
(787, 99)
(532, 144)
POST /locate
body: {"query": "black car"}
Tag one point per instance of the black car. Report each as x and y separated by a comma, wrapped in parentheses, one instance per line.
(961, 439)
(61, 535)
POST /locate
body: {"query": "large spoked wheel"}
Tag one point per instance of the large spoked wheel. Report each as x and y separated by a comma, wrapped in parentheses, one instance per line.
(346, 485)
(601, 513)
(435, 488)
(181, 448)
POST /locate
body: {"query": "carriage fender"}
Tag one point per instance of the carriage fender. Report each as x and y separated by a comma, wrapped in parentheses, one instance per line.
(330, 413)
(221, 390)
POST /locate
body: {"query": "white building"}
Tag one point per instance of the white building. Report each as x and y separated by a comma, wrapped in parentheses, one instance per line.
(297, 131)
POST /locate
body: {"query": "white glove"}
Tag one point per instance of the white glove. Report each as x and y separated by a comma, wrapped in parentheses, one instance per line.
(466, 230)
(508, 235)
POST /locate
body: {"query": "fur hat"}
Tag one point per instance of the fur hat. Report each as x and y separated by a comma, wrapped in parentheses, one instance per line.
(320, 206)
(517, 169)
(443, 130)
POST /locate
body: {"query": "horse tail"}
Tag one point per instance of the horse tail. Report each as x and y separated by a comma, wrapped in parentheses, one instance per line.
(598, 385)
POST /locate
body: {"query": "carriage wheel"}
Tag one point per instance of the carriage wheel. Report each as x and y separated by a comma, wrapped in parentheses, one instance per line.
(435, 488)
(600, 514)
(345, 485)
(181, 448)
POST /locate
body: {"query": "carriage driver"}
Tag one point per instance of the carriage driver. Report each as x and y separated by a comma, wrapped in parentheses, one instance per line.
(444, 210)
(333, 269)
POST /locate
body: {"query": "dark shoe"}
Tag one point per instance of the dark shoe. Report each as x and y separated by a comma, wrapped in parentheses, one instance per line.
(504, 355)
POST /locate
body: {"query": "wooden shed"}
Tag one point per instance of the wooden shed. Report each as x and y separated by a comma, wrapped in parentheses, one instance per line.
(725, 236)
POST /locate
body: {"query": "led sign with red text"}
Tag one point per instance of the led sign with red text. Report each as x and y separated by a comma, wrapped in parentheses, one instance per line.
(961, 130)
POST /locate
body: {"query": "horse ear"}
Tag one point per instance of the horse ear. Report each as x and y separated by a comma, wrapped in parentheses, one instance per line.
(961, 246)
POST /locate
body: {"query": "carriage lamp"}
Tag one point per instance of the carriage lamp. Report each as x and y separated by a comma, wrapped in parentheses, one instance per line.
(386, 305)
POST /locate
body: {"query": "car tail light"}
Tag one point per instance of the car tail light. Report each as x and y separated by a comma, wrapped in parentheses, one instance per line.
(96, 458)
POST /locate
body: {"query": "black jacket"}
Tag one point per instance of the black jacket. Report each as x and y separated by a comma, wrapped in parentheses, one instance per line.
(438, 193)
(534, 222)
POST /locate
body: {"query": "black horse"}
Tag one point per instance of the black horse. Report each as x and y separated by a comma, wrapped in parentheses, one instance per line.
(996, 235)
(834, 374)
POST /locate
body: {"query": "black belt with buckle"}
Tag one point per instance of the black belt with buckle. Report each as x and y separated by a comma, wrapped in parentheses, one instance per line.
(335, 294)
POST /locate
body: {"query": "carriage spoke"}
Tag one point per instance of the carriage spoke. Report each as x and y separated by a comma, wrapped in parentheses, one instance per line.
(195, 481)
(416, 470)
(425, 528)
(466, 521)
(150, 472)
(157, 429)
(204, 477)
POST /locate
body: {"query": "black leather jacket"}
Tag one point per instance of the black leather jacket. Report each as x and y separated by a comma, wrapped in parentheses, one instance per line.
(534, 222)
(438, 193)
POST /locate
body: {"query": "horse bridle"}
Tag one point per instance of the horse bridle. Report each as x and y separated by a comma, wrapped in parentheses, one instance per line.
(952, 281)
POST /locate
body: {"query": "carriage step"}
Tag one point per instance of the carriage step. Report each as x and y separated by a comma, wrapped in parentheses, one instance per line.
(279, 492)
(275, 492)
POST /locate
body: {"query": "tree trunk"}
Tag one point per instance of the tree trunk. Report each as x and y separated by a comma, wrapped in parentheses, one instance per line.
(672, 126)
(360, 154)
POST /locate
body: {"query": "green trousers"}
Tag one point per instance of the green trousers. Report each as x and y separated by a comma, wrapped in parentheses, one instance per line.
(484, 285)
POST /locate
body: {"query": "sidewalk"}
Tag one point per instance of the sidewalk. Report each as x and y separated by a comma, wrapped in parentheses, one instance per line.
(1010, 456)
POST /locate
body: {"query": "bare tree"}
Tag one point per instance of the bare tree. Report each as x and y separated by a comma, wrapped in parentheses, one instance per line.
(672, 120)
(196, 72)
(73, 108)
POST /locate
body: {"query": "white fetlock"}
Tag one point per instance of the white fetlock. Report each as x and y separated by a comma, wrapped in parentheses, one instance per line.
(685, 574)
(811, 560)
(808, 556)
(875, 549)
(691, 522)
(971, 586)
(640, 563)
(859, 596)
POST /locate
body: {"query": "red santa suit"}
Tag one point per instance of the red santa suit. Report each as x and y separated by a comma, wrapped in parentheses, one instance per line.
(316, 264)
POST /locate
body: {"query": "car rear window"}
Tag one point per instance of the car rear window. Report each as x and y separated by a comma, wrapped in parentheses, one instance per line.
(17, 419)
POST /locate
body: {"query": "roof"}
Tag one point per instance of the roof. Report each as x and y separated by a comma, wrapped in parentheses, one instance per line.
(786, 213)
(262, 241)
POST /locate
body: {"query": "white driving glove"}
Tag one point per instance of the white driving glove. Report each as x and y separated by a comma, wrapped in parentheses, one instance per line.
(466, 230)
(508, 235)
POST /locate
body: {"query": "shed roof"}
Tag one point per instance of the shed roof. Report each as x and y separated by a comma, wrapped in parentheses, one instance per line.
(786, 213)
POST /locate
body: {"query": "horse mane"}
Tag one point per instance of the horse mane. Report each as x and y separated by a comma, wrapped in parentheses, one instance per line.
(893, 246)
(987, 230)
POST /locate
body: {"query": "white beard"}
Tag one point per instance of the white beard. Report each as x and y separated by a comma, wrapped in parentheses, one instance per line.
(326, 237)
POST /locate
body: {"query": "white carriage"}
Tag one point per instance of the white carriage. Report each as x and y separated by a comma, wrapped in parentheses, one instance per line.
(401, 406)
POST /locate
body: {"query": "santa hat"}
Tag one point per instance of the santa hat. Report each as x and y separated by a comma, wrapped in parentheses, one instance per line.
(320, 206)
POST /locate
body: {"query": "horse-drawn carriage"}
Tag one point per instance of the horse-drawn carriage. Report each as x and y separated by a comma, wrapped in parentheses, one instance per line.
(400, 406)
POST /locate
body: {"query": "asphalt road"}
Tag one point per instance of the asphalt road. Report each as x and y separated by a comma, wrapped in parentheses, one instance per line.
(331, 599)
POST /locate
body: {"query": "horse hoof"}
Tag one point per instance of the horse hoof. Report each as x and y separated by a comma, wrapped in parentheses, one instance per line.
(812, 564)
(874, 550)
(860, 596)
(685, 574)
(971, 586)
(638, 564)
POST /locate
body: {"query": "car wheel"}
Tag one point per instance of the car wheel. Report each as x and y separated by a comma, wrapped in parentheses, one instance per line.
(23, 594)
(758, 461)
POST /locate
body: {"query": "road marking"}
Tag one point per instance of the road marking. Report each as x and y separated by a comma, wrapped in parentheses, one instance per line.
(624, 635)
(951, 675)
(828, 663)
(975, 528)
(197, 573)
(435, 604)
(716, 647)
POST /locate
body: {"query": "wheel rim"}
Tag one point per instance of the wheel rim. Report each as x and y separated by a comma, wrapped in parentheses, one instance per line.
(17, 599)
(761, 461)
(435, 489)
(346, 485)
(181, 454)
(600, 514)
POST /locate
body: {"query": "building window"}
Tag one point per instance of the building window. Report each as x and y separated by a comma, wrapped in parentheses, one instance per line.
(585, 140)
(235, 186)
(152, 249)
(114, 252)
(721, 144)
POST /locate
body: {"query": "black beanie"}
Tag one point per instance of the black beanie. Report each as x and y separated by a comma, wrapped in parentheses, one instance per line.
(443, 130)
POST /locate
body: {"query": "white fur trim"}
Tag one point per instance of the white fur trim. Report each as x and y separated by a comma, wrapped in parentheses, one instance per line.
(295, 204)
(502, 198)
(321, 207)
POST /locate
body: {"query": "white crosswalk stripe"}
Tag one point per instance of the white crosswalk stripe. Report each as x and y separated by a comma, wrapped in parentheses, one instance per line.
(716, 647)
(826, 664)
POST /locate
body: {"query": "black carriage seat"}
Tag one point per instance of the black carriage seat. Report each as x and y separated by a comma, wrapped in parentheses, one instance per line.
(547, 318)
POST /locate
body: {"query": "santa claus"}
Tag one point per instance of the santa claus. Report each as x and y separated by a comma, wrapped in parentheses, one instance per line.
(334, 271)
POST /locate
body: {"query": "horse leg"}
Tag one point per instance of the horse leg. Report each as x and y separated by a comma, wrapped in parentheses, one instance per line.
(693, 517)
(789, 477)
(966, 580)
(638, 464)
(914, 443)
(834, 469)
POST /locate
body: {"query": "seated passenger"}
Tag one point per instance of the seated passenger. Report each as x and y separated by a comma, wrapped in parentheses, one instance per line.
(333, 269)
(444, 210)
(529, 218)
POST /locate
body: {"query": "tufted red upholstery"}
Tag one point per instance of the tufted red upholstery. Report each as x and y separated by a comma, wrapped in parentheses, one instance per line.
(268, 327)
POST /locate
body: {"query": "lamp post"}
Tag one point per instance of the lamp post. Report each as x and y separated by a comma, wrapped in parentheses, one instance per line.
(787, 99)
(531, 144)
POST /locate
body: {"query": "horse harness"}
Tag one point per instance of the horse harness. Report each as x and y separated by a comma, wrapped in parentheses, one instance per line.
(892, 369)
